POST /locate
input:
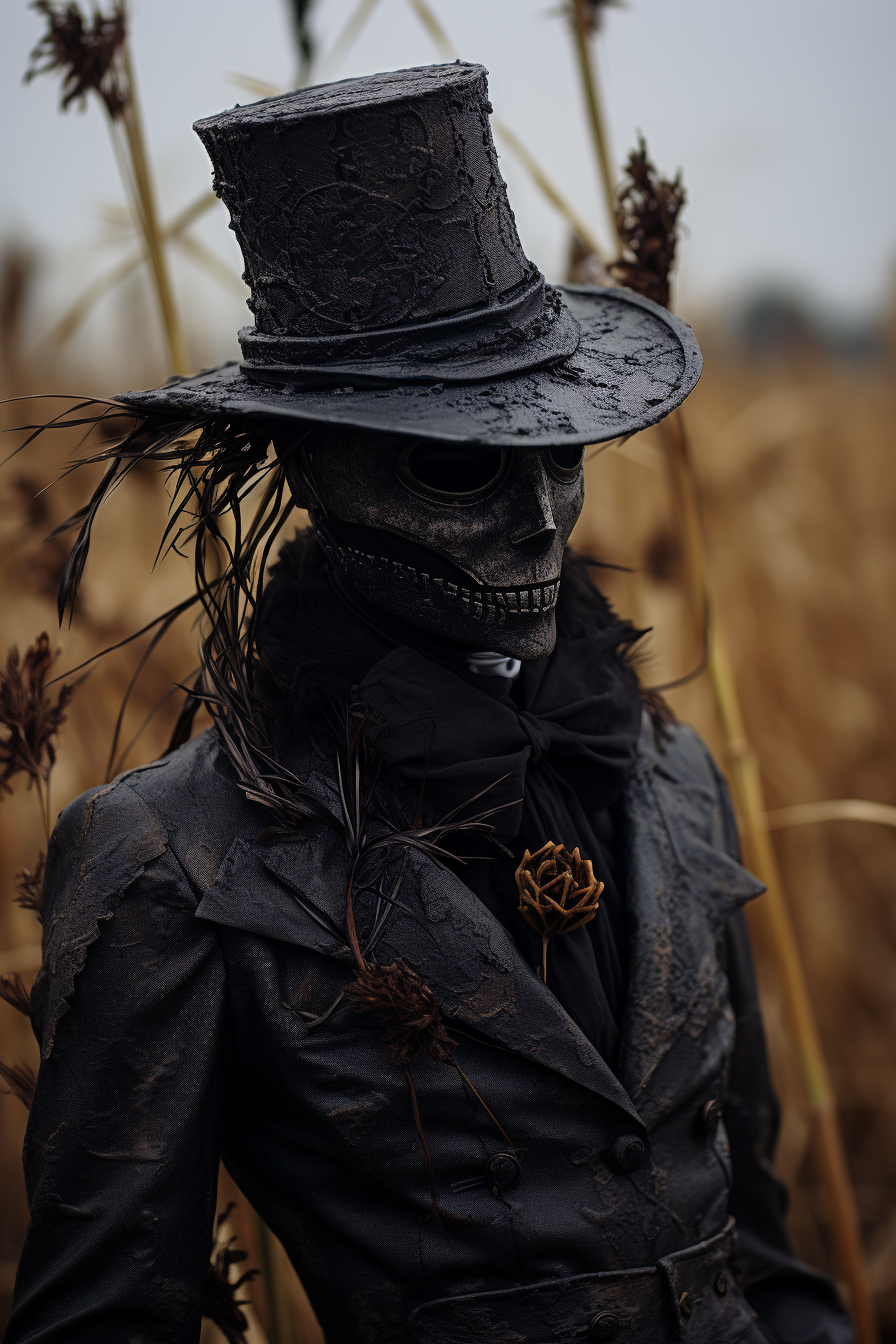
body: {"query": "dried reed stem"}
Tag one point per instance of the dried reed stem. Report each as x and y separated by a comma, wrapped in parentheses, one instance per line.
(579, 26)
(546, 186)
(346, 39)
(147, 215)
(834, 809)
(447, 49)
(68, 324)
(772, 909)
(279, 1327)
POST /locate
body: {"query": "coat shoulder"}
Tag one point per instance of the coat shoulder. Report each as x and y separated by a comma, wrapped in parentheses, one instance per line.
(684, 759)
(154, 837)
(193, 796)
(682, 754)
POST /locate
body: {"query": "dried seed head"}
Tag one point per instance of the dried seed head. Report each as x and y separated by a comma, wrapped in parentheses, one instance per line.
(30, 888)
(31, 717)
(558, 891)
(13, 991)
(407, 1007)
(88, 55)
(647, 219)
(595, 11)
(220, 1303)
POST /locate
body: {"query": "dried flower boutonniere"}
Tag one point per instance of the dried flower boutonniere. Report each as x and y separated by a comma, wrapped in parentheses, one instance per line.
(558, 893)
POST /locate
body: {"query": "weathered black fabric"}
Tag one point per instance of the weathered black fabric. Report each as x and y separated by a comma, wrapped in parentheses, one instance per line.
(635, 363)
(552, 751)
(183, 1008)
(180, 954)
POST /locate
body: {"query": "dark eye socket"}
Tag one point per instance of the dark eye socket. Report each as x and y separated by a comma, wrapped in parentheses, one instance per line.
(454, 471)
(567, 458)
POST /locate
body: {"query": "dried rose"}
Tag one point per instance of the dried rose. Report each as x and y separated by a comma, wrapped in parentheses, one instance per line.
(558, 893)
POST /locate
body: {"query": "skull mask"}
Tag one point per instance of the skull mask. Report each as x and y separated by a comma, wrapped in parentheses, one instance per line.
(458, 540)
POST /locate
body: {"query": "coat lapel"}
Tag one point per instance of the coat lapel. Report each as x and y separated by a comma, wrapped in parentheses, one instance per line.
(294, 891)
(682, 889)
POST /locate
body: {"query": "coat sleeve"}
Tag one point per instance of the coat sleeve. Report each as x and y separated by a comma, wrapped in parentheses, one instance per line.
(795, 1304)
(121, 1151)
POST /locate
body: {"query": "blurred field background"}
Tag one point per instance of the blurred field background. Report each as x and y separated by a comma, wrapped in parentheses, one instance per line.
(792, 434)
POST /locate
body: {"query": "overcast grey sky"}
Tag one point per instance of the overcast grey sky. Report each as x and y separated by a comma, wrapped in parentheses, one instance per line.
(780, 112)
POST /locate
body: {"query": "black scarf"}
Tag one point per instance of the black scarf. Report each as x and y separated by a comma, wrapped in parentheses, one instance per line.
(560, 739)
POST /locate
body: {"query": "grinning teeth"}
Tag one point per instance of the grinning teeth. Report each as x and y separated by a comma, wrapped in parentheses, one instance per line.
(492, 604)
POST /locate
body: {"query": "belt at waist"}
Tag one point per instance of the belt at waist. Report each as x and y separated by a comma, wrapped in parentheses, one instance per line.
(689, 1296)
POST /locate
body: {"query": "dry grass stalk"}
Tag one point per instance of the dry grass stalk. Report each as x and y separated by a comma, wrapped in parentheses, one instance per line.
(544, 184)
(649, 208)
(584, 16)
(94, 58)
(173, 233)
(595, 12)
(347, 37)
(834, 809)
(760, 857)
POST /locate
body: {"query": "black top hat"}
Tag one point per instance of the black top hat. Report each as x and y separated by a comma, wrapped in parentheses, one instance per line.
(385, 268)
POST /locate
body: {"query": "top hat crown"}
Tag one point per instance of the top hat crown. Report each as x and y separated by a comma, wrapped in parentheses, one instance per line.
(378, 241)
(390, 290)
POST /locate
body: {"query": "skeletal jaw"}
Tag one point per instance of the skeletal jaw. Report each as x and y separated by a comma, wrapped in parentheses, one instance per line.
(491, 605)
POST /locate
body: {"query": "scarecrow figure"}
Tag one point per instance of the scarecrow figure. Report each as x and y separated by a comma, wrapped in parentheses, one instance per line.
(435, 938)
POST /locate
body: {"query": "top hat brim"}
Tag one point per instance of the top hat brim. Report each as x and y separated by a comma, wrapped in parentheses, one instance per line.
(635, 362)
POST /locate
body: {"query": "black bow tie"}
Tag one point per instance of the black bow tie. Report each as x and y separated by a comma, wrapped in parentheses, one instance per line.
(575, 715)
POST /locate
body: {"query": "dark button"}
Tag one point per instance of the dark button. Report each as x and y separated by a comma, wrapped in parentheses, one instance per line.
(684, 1305)
(628, 1152)
(605, 1326)
(711, 1115)
(503, 1171)
(721, 1283)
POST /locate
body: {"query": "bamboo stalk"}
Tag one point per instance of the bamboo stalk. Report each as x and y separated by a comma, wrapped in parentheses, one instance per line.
(595, 117)
(772, 909)
(147, 215)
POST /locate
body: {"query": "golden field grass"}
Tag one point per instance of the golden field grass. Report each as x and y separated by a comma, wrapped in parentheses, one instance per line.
(798, 490)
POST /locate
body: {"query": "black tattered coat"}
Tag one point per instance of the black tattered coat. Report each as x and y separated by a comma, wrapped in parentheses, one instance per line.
(183, 957)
